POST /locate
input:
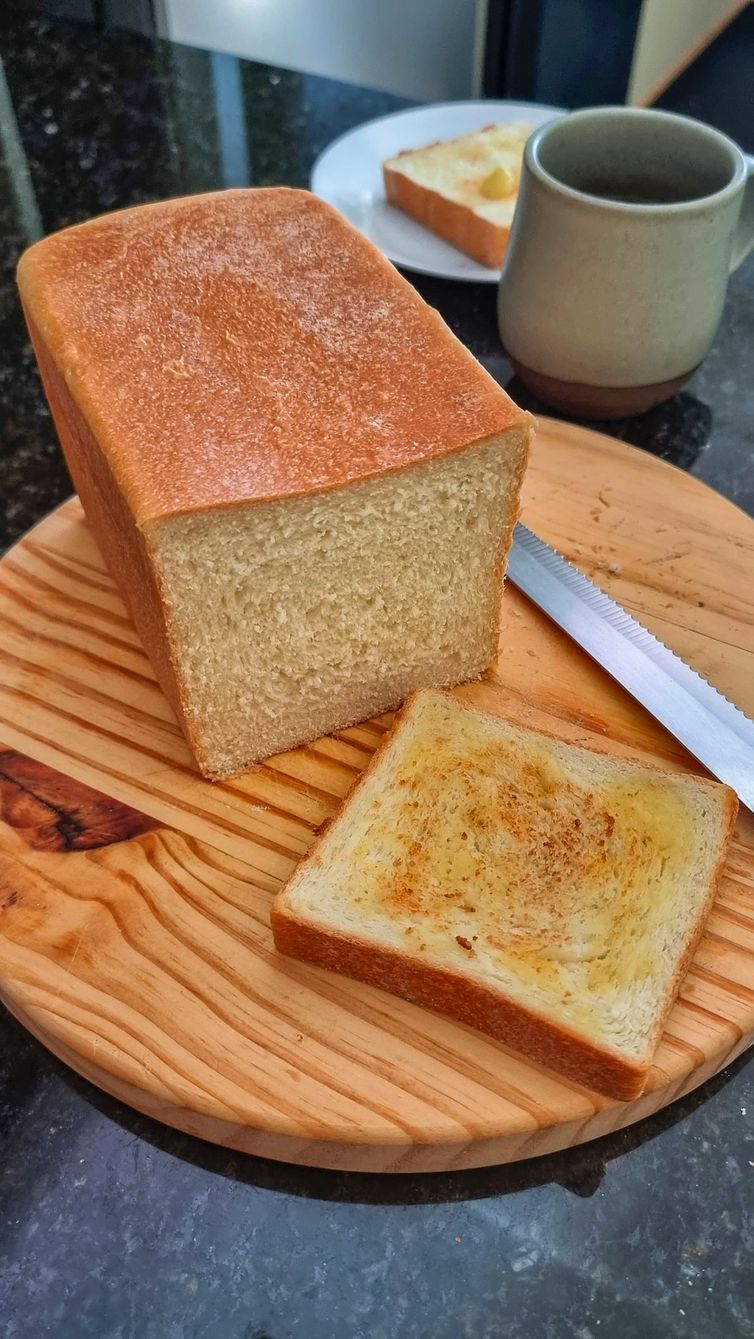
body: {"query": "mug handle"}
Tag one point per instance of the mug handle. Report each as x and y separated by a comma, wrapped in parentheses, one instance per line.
(744, 238)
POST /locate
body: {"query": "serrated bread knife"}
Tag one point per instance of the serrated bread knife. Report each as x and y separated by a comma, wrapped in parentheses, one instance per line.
(705, 722)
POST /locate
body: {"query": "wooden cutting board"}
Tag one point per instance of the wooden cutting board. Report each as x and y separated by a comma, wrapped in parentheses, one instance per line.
(134, 932)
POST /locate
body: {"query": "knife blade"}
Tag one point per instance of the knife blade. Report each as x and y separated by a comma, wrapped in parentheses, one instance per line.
(705, 722)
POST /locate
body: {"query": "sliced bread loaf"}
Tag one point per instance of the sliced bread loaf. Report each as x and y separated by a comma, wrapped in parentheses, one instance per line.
(548, 895)
(304, 485)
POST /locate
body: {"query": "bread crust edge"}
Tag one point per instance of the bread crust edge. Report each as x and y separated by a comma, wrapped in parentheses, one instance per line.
(443, 991)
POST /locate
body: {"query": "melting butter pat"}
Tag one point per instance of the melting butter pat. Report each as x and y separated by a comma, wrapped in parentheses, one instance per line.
(498, 183)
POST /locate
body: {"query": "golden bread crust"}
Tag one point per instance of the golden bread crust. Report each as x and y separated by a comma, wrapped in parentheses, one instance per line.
(460, 998)
(245, 346)
(123, 546)
(729, 823)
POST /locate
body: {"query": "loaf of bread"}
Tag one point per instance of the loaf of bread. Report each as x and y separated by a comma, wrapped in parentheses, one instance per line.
(464, 189)
(548, 895)
(303, 483)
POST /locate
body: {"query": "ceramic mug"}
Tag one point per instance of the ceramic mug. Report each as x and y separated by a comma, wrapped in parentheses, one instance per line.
(628, 224)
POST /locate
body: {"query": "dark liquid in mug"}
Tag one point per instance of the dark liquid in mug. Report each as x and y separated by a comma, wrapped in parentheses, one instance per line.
(637, 190)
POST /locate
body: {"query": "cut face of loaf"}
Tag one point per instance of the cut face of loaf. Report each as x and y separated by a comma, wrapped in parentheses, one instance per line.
(540, 892)
(292, 619)
(303, 484)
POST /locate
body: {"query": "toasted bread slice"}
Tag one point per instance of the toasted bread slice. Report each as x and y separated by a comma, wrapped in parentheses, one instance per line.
(547, 895)
(463, 189)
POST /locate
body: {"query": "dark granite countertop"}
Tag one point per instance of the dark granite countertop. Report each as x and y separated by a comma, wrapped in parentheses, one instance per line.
(114, 1227)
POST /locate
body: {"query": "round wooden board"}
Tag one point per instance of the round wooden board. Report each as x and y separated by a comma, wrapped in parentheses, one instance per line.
(134, 930)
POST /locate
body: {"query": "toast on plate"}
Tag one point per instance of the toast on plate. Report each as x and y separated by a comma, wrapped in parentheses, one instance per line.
(463, 189)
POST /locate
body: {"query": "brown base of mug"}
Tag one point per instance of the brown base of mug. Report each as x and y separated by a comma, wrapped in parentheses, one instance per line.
(583, 401)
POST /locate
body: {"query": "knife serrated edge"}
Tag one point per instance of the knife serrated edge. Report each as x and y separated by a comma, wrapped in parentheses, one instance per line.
(529, 546)
(628, 626)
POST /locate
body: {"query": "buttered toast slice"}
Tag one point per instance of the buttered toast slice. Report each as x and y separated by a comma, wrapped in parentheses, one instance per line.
(463, 189)
(548, 895)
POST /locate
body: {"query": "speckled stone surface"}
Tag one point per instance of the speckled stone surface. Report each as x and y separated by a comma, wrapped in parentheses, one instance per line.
(113, 1227)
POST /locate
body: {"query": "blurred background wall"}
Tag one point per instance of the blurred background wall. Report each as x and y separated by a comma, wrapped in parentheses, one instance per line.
(693, 56)
(428, 49)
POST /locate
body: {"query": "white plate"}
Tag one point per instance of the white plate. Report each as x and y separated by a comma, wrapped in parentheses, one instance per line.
(348, 174)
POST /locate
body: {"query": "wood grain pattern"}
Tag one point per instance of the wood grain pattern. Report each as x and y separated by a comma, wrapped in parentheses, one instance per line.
(53, 812)
(134, 896)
